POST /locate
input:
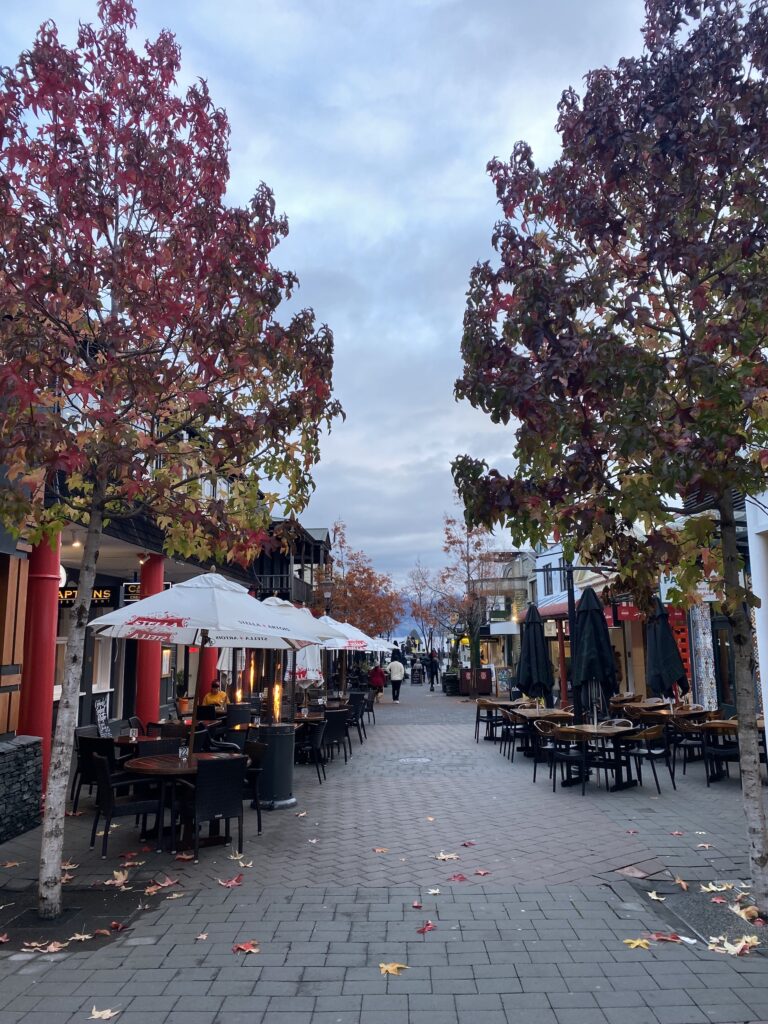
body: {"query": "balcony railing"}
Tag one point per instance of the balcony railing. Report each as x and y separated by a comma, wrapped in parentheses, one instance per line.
(290, 588)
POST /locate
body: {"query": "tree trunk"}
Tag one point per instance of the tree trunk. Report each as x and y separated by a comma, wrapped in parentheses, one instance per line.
(49, 884)
(749, 751)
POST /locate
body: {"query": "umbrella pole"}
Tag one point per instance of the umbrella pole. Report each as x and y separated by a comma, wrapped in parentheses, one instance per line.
(204, 642)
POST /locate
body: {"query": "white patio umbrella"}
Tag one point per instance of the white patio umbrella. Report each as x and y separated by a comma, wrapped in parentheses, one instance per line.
(211, 610)
(352, 638)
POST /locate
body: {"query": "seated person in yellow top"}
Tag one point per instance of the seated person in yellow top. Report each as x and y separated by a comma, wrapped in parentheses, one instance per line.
(216, 696)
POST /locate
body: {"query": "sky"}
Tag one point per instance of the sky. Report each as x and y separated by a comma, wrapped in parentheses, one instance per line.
(373, 123)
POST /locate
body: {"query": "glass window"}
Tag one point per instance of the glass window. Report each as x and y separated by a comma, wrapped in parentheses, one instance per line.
(547, 581)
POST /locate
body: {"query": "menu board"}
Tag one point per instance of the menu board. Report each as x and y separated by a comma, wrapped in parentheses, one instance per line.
(102, 717)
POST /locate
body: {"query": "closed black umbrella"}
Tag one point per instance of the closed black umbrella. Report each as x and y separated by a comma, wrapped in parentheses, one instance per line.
(534, 670)
(663, 664)
(593, 664)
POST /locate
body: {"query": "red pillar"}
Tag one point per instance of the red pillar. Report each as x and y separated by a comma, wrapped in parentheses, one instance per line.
(41, 623)
(149, 658)
(209, 657)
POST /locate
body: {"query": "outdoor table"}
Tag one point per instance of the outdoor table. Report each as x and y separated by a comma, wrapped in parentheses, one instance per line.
(169, 767)
(661, 712)
(126, 741)
(532, 714)
(615, 733)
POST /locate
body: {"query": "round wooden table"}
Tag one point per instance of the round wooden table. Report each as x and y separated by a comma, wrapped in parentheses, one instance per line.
(169, 764)
(126, 741)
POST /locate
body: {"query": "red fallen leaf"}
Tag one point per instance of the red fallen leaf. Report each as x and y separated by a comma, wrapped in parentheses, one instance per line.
(147, 849)
(73, 814)
(665, 937)
(677, 833)
(632, 832)
(231, 882)
(759, 921)
(482, 873)
(116, 926)
(428, 926)
(469, 842)
(102, 931)
(719, 899)
(458, 878)
(165, 881)
(4, 937)
(251, 946)
(128, 855)
(185, 856)
(416, 905)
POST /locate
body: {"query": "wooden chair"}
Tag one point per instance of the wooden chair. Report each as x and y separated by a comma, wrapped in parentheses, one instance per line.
(651, 745)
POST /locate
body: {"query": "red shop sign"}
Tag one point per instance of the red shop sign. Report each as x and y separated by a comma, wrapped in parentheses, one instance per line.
(628, 613)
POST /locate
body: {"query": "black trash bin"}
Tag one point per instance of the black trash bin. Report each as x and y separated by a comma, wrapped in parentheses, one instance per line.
(276, 783)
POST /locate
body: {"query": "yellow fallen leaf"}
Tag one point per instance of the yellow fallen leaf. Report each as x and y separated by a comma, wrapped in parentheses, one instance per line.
(118, 879)
(10, 864)
(380, 849)
(655, 896)
(637, 943)
(446, 856)
(66, 877)
(80, 937)
(430, 819)
(103, 1014)
(746, 913)
(393, 968)
(202, 936)
(301, 814)
(682, 883)
(67, 865)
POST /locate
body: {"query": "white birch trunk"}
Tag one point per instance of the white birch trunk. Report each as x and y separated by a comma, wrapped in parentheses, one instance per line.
(49, 882)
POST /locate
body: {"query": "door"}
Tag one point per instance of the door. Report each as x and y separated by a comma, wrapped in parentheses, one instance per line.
(721, 638)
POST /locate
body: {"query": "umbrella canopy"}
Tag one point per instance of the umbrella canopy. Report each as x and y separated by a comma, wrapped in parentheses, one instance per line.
(534, 669)
(352, 638)
(211, 609)
(593, 663)
(663, 664)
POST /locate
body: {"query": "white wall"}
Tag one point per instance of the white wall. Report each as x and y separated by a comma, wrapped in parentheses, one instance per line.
(757, 533)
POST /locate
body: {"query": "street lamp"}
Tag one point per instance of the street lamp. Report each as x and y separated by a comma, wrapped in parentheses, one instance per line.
(327, 595)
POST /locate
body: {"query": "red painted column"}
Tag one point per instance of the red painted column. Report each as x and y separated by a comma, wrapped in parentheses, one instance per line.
(39, 668)
(149, 658)
(209, 657)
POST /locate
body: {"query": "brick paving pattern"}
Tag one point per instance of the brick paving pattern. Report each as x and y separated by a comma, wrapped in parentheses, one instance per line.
(538, 940)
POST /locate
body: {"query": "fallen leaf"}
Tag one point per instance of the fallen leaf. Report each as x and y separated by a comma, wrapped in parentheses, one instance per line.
(458, 878)
(416, 905)
(393, 968)
(235, 855)
(175, 896)
(682, 883)
(719, 899)
(185, 856)
(430, 819)
(701, 833)
(152, 890)
(4, 938)
(127, 854)
(73, 814)
(637, 943)
(165, 882)
(80, 937)
(704, 846)
(433, 892)
(446, 856)
(380, 849)
(632, 832)
(10, 864)
(482, 873)
(246, 863)
(653, 895)
(741, 946)
(469, 842)
(677, 833)
(118, 879)
(67, 865)
(746, 913)
(103, 931)
(133, 863)
(102, 1014)
(665, 937)
(312, 841)
(43, 947)
(301, 814)
(66, 877)
(251, 946)
(116, 926)
(202, 936)
(714, 887)
(231, 883)
(428, 926)
(147, 849)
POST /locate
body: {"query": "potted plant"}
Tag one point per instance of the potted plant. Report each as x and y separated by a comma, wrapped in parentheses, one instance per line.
(182, 700)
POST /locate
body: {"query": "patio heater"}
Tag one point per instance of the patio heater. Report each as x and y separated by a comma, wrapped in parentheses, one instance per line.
(276, 786)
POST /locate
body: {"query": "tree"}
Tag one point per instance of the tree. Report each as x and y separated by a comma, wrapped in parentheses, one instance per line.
(141, 364)
(624, 325)
(463, 586)
(361, 596)
(422, 595)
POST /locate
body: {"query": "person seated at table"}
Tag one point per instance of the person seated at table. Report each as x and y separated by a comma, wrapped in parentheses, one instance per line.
(216, 697)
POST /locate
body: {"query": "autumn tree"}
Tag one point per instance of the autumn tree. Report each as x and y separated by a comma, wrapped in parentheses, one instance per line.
(360, 595)
(140, 354)
(623, 327)
(422, 595)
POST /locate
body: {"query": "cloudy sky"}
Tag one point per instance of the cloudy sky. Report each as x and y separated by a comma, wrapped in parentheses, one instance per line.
(373, 120)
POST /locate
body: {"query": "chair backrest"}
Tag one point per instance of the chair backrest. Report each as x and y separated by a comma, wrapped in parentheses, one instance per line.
(149, 748)
(219, 788)
(135, 723)
(336, 725)
(85, 730)
(93, 746)
(176, 730)
(625, 698)
(206, 712)
(255, 752)
(238, 714)
(544, 727)
(105, 795)
(317, 736)
(655, 732)
(201, 743)
(609, 722)
(694, 707)
(237, 737)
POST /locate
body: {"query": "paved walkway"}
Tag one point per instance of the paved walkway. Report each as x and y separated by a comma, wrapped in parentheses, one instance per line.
(536, 938)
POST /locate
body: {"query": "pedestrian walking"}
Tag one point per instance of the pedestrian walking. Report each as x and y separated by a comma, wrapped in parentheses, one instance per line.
(396, 671)
(376, 681)
(432, 668)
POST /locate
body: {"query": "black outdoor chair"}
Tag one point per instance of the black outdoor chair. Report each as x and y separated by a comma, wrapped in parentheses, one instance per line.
(651, 745)
(109, 807)
(355, 717)
(686, 738)
(215, 795)
(312, 747)
(174, 730)
(204, 743)
(568, 752)
(83, 730)
(255, 752)
(152, 748)
(368, 706)
(206, 713)
(136, 723)
(88, 746)
(337, 733)
(237, 714)
(721, 748)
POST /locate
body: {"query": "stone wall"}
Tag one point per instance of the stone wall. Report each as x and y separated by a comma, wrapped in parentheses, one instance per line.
(21, 764)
